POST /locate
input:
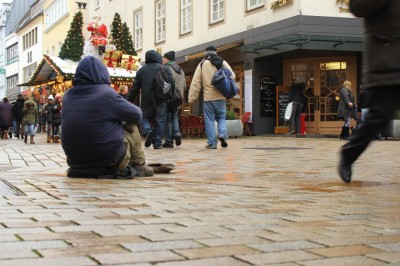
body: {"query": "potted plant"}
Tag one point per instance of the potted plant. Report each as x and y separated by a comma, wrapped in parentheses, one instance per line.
(234, 126)
(393, 127)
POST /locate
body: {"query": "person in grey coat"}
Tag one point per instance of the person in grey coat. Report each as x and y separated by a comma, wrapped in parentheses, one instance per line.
(346, 108)
(381, 74)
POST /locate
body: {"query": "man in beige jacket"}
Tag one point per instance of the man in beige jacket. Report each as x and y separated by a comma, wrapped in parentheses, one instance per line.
(214, 106)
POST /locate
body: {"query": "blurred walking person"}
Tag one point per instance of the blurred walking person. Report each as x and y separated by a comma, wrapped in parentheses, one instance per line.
(6, 117)
(17, 113)
(56, 119)
(30, 120)
(381, 74)
(346, 108)
(214, 106)
(154, 110)
(172, 131)
(47, 111)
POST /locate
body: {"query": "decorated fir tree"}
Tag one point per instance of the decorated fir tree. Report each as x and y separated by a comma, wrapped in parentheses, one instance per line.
(126, 41)
(72, 47)
(116, 30)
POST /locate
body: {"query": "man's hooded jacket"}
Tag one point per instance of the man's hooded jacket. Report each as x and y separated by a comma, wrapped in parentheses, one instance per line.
(92, 116)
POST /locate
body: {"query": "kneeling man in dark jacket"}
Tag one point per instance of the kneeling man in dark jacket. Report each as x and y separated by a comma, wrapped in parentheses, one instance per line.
(99, 128)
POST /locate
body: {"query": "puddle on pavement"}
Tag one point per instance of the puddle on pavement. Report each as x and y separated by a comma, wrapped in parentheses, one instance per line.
(277, 148)
(317, 189)
(6, 189)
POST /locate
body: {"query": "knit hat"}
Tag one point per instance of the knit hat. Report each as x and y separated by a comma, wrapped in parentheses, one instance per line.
(170, 55)
(50, 98)
(58, 96)
(211, 50)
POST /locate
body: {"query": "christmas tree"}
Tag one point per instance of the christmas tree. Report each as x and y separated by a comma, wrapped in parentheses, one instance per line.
(126, 41)
(116, 30)
(72, 47)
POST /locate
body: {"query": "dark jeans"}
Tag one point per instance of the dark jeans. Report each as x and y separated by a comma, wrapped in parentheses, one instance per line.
(172, 127)
(295, 116)
(158, 116)
(385, 101)
(19, 129)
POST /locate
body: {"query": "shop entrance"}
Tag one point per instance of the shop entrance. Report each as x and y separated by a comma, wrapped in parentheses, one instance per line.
(323, 78)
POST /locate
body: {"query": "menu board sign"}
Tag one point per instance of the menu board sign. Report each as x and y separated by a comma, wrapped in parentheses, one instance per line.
(268, 97)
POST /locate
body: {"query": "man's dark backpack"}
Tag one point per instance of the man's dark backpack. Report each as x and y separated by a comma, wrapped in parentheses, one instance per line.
(176, 100)
(163, 87)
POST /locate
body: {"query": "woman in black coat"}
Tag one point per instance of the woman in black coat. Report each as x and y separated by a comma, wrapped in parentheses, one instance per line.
(346, 108)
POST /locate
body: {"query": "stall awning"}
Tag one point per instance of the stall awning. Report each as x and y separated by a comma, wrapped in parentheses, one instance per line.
(54, 69)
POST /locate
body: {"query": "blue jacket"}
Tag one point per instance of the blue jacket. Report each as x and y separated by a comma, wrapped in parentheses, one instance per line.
(92, 116)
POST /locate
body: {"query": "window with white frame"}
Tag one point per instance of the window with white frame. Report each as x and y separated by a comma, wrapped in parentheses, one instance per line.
(55, 12)
(216, 10)
(29, 39)
(138, 18)
(253, 4)
(160, 21)
(12, 54)
(186, 16)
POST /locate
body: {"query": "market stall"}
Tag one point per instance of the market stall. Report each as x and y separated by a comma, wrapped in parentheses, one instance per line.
(54, 76)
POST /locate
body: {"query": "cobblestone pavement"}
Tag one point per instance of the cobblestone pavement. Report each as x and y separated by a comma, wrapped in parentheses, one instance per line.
(261, 201)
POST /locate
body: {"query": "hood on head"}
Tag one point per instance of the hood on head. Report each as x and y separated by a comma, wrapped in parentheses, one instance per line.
(91, 71)
(153, 57)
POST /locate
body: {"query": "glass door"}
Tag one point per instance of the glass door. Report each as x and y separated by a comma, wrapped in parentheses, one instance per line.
(323, 79)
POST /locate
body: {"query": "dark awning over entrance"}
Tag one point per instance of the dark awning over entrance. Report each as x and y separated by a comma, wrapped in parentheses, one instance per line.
(299, 32)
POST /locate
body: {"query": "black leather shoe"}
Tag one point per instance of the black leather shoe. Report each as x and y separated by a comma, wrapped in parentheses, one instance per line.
(224, 144)
(345, 171)
(149, 139)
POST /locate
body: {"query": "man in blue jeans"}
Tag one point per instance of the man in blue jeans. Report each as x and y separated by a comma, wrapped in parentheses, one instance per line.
(214, 106)
(172, 131)
(153, 110)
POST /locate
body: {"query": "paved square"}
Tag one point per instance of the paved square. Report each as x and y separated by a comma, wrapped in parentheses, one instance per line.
(261, 201)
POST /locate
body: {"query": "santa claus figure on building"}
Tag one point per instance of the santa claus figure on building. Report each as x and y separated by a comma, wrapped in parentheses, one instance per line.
(99, 34)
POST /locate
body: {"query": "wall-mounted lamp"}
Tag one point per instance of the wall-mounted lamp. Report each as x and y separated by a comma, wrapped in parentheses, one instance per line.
(81, 5)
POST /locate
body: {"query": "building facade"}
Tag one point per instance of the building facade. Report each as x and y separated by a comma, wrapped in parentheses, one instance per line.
(269, 43)
(5, 9)
(18, 13)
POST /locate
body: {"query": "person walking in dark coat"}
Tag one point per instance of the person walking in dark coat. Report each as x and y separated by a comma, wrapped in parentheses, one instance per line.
(381, 74)
(18, 115)
(55, 111)
(6, 117)
(153, 110)
(296, 95)
(346, 108)
(99, 128)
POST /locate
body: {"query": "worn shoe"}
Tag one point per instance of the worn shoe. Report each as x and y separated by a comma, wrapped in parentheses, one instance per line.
(143, 170)
(345, 171)
(208, 146)
(158, 147)
(162, 168)
(290, 132)
(178, 140)
(224, 144)
(149, 139)
(167, 145)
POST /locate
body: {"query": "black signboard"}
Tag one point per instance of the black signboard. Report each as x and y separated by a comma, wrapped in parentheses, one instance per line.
(268, 97)
(283, 101)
